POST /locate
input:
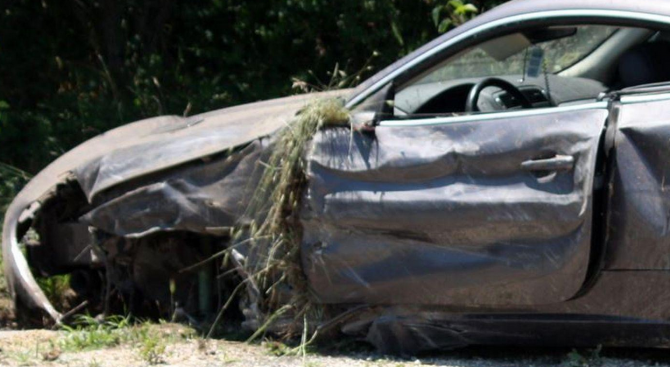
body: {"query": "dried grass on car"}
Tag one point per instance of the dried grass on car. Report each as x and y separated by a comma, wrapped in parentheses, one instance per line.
(272, 231)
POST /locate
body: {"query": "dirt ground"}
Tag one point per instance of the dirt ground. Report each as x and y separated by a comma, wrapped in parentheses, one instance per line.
(39, 348)
(177, 345)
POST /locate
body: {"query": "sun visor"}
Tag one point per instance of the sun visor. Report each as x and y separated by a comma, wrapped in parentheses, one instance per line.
(503, 47)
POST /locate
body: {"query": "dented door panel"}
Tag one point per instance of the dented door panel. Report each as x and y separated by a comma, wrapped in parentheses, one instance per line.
(639, 208)
(447, 214)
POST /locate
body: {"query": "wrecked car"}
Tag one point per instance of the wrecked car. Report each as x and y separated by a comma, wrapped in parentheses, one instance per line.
(503, 184)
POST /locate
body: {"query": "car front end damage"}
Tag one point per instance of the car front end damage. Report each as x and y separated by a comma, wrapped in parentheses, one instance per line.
(129, 213)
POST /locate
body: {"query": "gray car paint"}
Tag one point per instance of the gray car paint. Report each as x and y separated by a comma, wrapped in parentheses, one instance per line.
(639, 211)
(449, 207)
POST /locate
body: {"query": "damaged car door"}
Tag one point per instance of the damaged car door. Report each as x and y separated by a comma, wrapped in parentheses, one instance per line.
(476, 210)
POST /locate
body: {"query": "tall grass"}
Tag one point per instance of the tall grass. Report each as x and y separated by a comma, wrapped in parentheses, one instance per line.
(272, 230)
(274, 209)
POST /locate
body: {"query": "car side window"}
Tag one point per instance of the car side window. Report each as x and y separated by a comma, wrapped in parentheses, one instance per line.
(528, 60)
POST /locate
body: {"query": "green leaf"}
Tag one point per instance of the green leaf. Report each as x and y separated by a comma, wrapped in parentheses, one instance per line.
(455, 3)
(444, 25)
(470, 8)
(397, 34)
(436, 14)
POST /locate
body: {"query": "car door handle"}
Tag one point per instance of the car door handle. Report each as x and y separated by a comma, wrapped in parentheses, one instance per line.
(557, 163)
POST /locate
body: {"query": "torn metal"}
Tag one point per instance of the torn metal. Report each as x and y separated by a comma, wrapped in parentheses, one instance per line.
(200, 164)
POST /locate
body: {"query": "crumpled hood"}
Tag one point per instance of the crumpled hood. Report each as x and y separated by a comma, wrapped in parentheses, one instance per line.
(156, 144)
(135, 150)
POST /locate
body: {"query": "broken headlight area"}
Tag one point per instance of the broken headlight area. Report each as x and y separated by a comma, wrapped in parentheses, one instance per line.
(213, 236)
(149, 276)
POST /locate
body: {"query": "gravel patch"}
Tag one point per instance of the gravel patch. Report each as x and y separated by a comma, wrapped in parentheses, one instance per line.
(39, 348)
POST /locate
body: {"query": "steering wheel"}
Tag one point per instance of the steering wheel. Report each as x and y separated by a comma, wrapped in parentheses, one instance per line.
(473, 97)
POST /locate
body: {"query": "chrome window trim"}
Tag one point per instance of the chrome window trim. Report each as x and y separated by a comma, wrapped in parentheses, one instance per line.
(573, 13)
(433, 121)
(645, 98)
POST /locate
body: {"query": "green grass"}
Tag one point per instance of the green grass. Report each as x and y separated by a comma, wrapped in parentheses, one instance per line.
(149, 342)
(586, 358)
(87, 333)
(150, 339)
(152, 349)
(57, 290)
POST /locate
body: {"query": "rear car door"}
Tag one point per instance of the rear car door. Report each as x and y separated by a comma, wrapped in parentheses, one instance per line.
(478, 210)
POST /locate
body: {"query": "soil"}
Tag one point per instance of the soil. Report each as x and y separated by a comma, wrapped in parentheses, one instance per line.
(36, 348)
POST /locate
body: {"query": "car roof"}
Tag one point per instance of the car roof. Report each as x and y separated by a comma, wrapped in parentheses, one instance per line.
(520, 7)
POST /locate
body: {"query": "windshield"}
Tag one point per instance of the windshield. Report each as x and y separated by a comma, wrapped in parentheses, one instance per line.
(509, 55)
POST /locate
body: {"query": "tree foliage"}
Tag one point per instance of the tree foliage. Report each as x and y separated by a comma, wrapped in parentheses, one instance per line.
(71, 69)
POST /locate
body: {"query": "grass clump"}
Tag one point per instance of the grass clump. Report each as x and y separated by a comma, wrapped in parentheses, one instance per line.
(150, 339)
(152, 349)
(271, 227)
(274, 209)
(88, 333)
(57, 289)
(590, 358)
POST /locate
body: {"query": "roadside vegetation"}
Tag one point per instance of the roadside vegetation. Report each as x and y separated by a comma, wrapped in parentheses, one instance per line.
(109, 62)
(148, 342)
(149, 339)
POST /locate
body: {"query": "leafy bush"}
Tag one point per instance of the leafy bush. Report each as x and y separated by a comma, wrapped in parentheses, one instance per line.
(73, 69)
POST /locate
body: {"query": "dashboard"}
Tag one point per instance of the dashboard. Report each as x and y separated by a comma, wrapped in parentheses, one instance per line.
(449, 97)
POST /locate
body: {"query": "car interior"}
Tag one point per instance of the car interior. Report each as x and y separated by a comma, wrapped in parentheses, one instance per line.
(546, 67)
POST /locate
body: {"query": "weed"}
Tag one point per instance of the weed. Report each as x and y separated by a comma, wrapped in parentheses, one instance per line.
(229, 360)
(274, 230)
(152, 349)
(88, 333)
(22, 358)
(577, 359)
(276, 348)
(271, 228)
(57, 289)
